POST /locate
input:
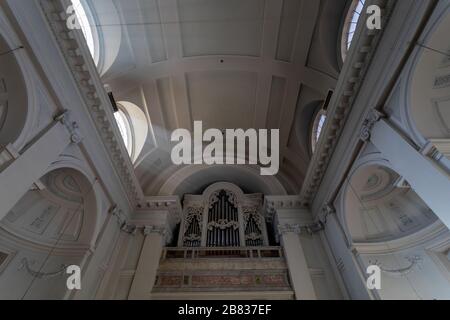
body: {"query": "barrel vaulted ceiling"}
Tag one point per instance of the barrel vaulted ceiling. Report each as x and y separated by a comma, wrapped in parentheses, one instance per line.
(232, 64)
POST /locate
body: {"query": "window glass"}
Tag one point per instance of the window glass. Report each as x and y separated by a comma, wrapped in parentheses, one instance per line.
(83, 20)
(351, 23)
(122, 122)
(319, 121)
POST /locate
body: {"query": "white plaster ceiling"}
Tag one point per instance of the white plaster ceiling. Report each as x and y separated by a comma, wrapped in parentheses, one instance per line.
(380, 206)
(429, 84)
(56, 211)
(231, 64)
(13, 97)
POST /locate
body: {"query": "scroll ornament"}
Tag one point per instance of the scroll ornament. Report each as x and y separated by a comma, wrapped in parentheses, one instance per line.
(223, 224)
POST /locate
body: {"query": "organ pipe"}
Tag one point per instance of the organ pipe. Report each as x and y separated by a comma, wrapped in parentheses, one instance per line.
(223, 227)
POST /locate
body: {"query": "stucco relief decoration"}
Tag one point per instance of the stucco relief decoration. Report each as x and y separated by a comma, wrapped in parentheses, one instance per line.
(369, 123)
(25, 264)
(223, 224)
(252, 212)
(214, 198)
(414, 262)
(253, 225)
(155, 229)
(192, 230)
(289, 228)
(194, 212)
(232, 198)
(122, 221)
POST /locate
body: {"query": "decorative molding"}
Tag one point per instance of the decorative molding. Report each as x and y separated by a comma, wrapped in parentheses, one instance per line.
(161, 230)
(414, 262)
(423, 237)
(71, 126)
(253, 212)
(157, 203)
(327, 210)
(232, 198)
(129, 228)
(118, 213)
(85, 75)
(122, 220)
(253, 236)
(25, 264)
(373, 117)
(289, 228)
(358, 61)
(150, 205)
(441, 81)
(192, 237)
(223, 224)
(192, 212)
(272, 204)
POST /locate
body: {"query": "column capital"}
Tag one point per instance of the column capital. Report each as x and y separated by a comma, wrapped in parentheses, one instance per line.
(289, 228)
(328, 209)
(122, 220)
(366, 130)
(161, 230)
(273, 204)
(71, 126)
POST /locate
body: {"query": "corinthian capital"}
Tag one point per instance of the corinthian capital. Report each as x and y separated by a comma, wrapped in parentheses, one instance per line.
(161, 230)
(289, 228)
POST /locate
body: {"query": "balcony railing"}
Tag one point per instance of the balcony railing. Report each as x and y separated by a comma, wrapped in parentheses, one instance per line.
(222, 252)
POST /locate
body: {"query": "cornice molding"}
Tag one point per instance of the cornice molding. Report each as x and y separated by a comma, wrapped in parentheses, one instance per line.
(283, 202)
(159, 203)
(274, 203)
(354, 72)
(161, 230)
(169, 204)
(79, 62)
(286, 228)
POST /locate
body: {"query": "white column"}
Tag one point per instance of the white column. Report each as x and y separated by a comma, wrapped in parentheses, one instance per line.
(429, 181)
(30, 165)
(145, 275)
(353, 278)
(295, 257)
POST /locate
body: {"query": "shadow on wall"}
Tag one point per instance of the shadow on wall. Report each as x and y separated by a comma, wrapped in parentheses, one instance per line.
(50, 228)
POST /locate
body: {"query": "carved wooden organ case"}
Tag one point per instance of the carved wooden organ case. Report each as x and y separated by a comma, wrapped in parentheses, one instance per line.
(223, 216)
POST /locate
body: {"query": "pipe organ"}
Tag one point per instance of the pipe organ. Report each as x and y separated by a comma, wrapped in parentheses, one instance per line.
(223, 216)
(223, 221)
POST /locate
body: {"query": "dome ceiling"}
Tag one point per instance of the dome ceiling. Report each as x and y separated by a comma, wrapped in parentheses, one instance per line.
(232, 64)
(380, 206)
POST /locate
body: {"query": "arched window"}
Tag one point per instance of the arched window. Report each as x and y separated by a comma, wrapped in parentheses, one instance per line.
(125, 130)
(319, 121)
(133, 127)
(350, 25)
(86, 23)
